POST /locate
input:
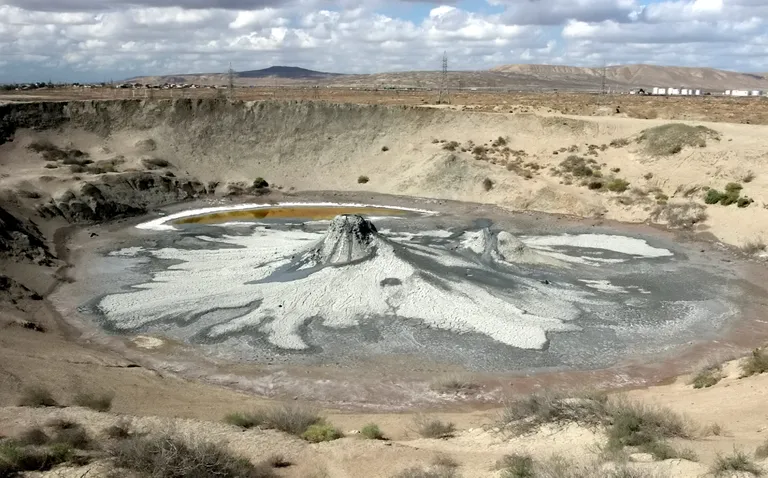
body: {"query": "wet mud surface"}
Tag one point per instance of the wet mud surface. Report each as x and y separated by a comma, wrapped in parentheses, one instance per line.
(241, 302)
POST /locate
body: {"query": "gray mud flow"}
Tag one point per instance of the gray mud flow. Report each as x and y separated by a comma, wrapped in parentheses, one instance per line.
(481, 295)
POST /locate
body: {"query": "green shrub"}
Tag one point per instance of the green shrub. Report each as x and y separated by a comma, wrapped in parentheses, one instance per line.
(713, 196)
(738, 461)
(372, 432)
(755, 364)
(434, 428)
(321, 432)
(37, 396)
(617, 185)
(170, 456)
(101, 402)
(576, 166)
(15, 458)
(517, 466)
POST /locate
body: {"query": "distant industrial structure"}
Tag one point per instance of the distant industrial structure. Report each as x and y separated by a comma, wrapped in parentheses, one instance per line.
(744, 93)
(671, 91)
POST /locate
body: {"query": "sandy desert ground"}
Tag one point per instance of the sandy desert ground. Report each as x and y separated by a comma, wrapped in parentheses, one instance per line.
(561, 155)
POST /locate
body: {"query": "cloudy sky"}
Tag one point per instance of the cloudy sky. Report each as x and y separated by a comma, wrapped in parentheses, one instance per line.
(96, 40)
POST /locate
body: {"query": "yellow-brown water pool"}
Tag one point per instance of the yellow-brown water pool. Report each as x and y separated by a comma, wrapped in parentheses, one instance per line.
(289, 212)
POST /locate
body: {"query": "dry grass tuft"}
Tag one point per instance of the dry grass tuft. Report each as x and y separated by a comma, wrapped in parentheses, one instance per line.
(754, 246)
(434, 472)
(738, 461)
(755, 364)
(707, 376)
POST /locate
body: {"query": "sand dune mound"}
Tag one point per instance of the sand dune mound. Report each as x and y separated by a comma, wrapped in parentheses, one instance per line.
(350, 238)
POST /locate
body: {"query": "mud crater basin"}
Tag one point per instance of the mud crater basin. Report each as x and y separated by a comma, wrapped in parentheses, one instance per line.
(489, 293)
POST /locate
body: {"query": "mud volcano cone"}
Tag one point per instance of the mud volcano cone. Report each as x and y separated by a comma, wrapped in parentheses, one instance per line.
(349, 238)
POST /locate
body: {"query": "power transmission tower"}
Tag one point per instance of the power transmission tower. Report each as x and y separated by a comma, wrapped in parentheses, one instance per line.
(602, 86)
(442, 97)
(231, 85)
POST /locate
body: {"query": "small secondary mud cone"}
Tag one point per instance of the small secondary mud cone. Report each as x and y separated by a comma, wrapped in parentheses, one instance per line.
(349, 238)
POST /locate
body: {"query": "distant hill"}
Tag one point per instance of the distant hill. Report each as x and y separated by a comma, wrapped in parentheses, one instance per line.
(512, 77)
(645, 75)
(291, 72)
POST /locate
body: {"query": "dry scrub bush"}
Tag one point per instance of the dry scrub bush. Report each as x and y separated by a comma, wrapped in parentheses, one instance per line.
(487, 184)
(755, 364)
(36, 396)
(707, 376)
(451, 146)
(33, 436)
(454, 384)
(680, 216)
(119, 431)
(101, 402)
(362, 179)
(761, 452)
(738, 461)
(434, 472)
(669, 139)
(529, 413)
(433, 428)
(167, 455)
(293, 419)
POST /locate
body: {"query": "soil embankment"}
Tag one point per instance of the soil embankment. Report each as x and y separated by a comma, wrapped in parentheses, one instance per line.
(92, 162)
